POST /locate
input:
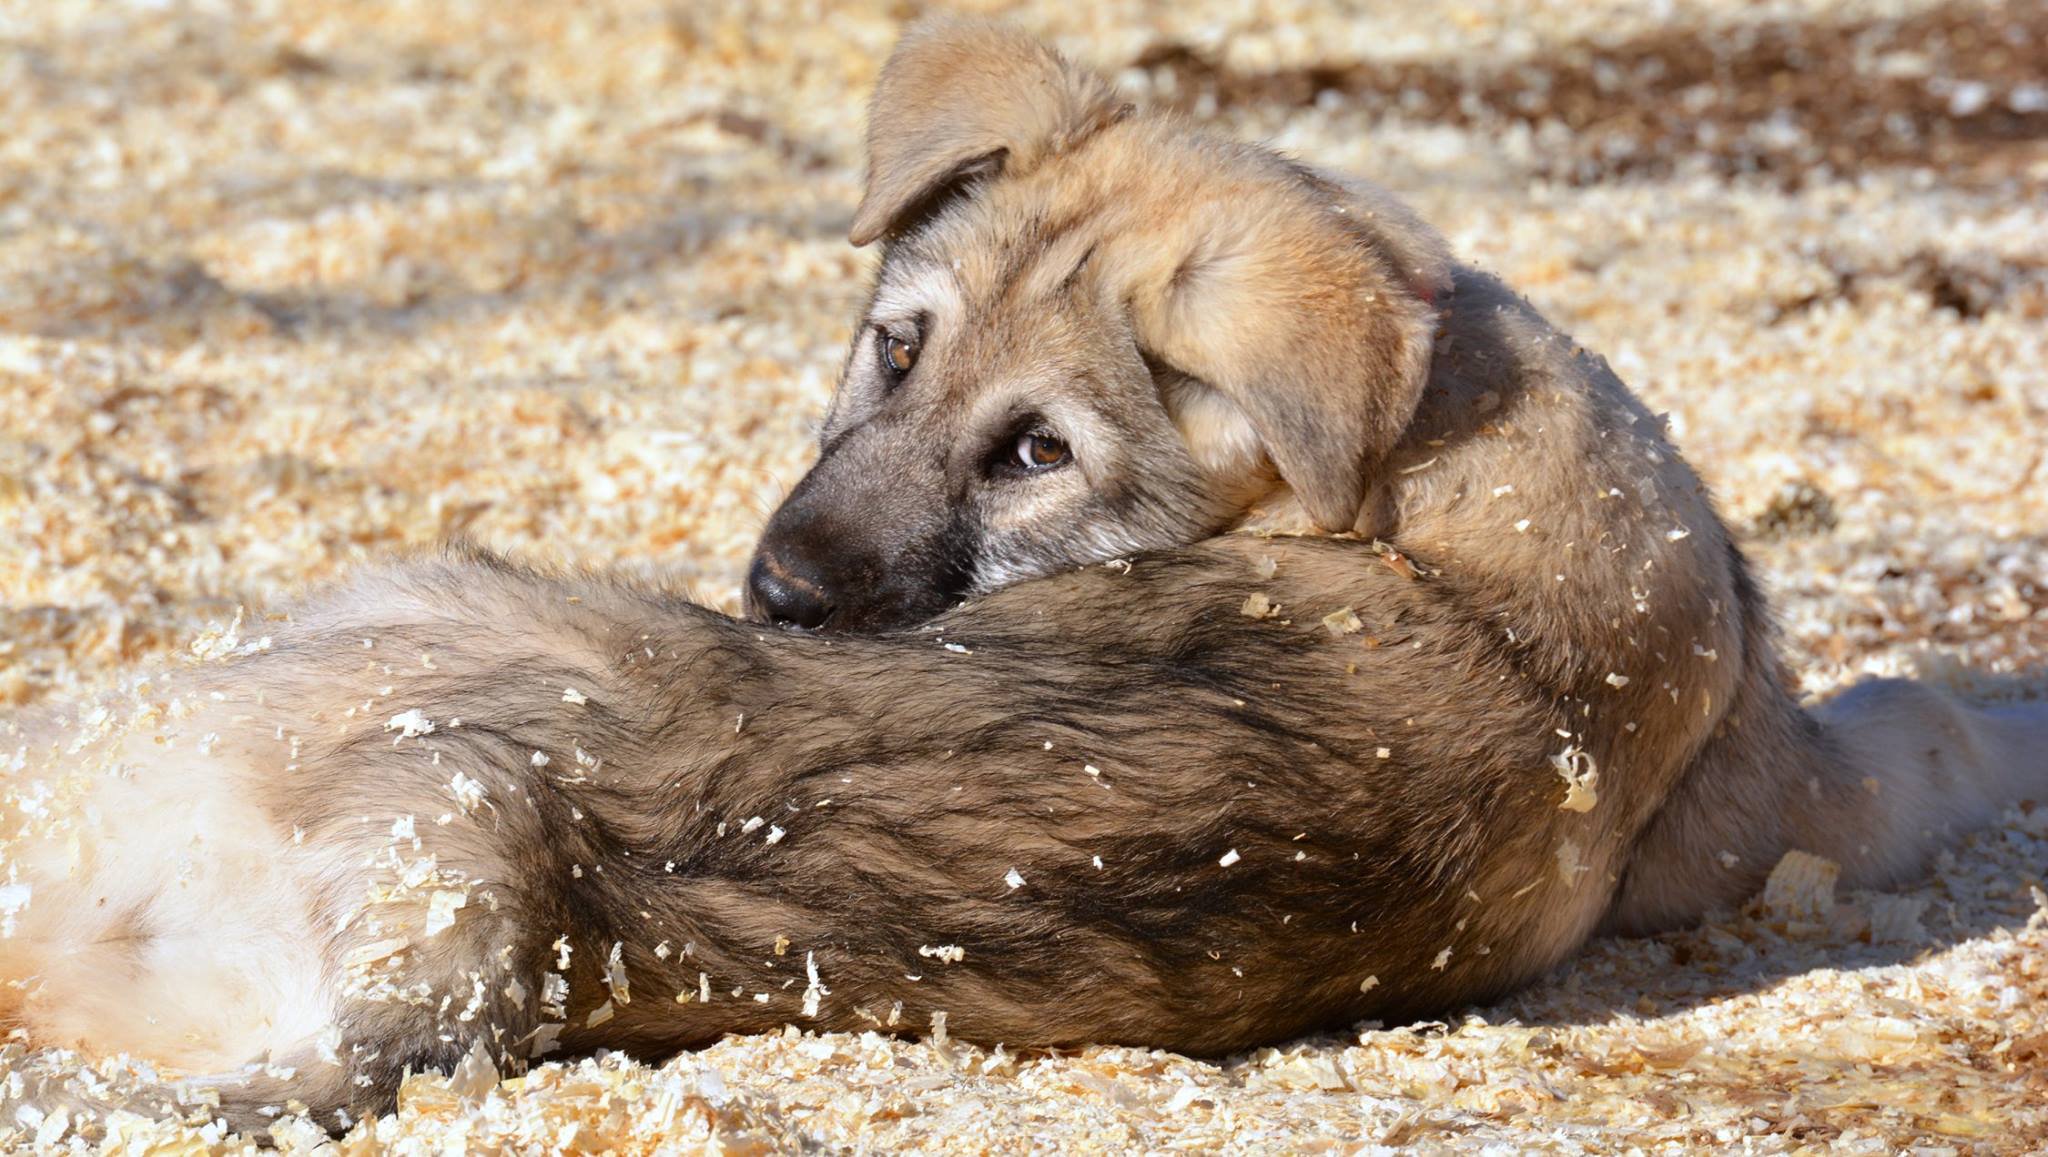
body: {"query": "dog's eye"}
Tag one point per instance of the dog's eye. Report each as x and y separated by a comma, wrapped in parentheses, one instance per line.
(1040, 451)
(897, 355)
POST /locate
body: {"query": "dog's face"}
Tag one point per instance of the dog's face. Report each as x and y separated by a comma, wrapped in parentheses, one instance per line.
(1092, 334)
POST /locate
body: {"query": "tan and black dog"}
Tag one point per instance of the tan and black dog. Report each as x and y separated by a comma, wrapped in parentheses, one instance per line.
(1200, 794)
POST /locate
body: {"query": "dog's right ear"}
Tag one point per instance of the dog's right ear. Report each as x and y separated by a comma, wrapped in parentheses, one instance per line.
(1310, 305)
(962, 97)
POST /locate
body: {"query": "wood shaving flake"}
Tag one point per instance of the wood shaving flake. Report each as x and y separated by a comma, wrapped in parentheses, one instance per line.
(814, 988)
(1801, 887)
(410, 724)
(615, 978)
(1581, 779)
(1258, 606)
(441, 908)
(468, 793)
(376, 950)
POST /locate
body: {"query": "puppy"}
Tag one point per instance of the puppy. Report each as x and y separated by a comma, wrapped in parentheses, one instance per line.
(1096, 332)
(458, 813)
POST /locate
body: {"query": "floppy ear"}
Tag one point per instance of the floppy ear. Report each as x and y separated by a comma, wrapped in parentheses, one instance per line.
(960, 96)
(1311, 306)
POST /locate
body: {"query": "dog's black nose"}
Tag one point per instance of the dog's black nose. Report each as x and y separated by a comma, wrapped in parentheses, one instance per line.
(787, 595)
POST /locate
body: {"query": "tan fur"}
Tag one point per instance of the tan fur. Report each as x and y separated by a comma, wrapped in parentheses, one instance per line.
(1199, 799)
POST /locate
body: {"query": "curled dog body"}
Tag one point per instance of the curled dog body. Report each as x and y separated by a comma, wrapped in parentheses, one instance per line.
(1200, 798)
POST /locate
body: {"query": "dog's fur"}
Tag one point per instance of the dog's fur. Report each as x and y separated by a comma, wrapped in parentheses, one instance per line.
(1128, 803)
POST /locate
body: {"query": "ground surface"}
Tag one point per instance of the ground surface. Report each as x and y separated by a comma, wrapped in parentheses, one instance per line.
(284, 286)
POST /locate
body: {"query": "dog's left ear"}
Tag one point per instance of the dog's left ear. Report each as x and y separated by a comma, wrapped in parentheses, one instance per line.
(1312, 305)
(960, 97)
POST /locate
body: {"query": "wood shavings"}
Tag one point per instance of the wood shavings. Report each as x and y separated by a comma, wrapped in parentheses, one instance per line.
(1581, 779)
(410, 724)
(441, 908)
(468, 793)
(634, 310)
(1258, 606)
(375, 951)
(1801, 887)
(1395, 561)
(814, 988)
(615, 979)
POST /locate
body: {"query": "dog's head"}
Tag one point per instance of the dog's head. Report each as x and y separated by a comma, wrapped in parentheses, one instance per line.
(1093, 332)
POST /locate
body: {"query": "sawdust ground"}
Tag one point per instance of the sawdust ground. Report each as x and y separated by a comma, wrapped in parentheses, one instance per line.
(287, 286)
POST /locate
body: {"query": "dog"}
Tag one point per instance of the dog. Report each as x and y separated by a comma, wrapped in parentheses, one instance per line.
(1186, 792)
(1096, 332)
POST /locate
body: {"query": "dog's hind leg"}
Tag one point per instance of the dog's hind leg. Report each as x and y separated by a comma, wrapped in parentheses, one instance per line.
(1913, 767)
(1875, 780)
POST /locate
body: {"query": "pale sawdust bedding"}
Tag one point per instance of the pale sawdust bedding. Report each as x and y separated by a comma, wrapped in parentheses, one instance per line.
(286, 287)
